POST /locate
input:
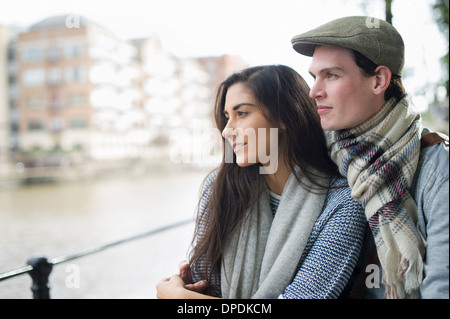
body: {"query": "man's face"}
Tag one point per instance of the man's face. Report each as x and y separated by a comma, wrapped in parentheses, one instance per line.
(344, 96)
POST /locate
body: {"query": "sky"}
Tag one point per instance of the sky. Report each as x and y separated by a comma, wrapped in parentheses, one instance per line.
(259, 31)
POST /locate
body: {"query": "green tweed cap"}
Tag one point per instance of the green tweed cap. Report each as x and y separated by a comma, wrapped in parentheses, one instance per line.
(376, 39)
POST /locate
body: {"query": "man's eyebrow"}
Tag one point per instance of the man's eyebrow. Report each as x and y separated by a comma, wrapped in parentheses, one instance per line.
(237, 106)
(325, 70)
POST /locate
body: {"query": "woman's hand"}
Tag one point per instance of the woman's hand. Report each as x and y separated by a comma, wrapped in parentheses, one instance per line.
(171, 288)
(186, 275)
(175, 288)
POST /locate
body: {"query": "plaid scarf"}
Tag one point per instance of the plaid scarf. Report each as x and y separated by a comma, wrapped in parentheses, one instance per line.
(379, 159)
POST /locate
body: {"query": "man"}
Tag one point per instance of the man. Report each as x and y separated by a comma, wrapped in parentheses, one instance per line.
(374, 137)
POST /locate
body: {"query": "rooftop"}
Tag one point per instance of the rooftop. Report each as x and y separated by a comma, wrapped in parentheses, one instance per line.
(63, 21)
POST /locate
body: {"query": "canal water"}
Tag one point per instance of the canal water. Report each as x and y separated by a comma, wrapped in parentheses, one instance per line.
(59, 219)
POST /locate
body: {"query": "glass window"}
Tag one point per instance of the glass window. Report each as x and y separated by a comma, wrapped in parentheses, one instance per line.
(32, 55)
(73, 50)
(76, 99)
(75, 74)
(53, 53)
(35, 101)
(35, 126)
(56, 124)
(33, 77)
(78, 123)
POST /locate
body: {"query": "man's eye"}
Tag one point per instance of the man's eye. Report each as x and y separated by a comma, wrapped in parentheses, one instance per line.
(331, 75)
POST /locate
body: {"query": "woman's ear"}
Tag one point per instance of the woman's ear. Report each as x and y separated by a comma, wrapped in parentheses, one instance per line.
(281, 130)
(382, 79)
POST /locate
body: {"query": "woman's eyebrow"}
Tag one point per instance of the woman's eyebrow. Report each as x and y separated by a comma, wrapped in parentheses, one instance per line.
(237, 106)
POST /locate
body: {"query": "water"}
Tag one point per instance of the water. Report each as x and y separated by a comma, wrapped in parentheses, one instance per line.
(58, 219)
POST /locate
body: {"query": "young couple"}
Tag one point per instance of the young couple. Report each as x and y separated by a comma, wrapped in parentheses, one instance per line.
(366, 184)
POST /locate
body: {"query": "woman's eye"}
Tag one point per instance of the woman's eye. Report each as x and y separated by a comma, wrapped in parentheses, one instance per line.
(240, 113)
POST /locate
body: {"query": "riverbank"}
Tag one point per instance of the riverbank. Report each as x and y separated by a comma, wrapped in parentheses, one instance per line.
(21, 176)
(55, 219)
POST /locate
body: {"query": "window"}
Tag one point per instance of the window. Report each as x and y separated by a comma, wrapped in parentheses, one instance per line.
(75, 74)
(76, 99)
(56, 124)
(53, 53)
(35, 101)
(78, 123)
(35, 126)
(32, 55)
(33, 77)
(73, 50)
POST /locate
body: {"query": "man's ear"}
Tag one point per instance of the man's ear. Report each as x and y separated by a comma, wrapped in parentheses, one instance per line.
(382, 79)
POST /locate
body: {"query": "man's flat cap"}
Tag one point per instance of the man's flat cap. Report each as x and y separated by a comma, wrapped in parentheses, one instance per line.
(376, 39)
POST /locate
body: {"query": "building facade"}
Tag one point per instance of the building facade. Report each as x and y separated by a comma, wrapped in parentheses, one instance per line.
(5, 162)
(85, 93)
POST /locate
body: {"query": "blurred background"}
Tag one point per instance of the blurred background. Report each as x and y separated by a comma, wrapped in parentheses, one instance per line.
(106, 120)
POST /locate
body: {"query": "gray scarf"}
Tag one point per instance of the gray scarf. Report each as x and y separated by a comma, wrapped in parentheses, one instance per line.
(262, 255)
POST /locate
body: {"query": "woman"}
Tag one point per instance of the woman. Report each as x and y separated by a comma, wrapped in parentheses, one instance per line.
(289, 232)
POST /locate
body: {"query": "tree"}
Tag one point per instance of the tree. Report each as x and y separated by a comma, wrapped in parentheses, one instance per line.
(388, 11)
(441, 16)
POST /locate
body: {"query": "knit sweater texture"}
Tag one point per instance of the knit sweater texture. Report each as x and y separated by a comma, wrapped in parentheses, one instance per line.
(331, 253)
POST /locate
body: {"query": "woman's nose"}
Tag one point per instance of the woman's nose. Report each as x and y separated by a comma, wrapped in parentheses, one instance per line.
(227, 132)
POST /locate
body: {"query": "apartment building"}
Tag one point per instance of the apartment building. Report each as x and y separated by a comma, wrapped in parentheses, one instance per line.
(77, 85)
(92, 96)
(5, 163)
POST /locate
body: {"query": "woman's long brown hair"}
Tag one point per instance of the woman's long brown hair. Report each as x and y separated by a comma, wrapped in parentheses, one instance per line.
(284, 98)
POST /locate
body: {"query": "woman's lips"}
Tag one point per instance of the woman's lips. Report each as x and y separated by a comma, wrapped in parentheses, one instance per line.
(238, 146)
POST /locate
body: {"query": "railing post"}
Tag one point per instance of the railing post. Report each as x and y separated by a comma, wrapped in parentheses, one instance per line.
(40, 273)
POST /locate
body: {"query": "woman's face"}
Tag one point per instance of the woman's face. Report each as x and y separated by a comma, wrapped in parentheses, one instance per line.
(252, 136)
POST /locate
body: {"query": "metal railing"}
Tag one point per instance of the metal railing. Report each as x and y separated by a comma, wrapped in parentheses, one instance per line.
(39, 268)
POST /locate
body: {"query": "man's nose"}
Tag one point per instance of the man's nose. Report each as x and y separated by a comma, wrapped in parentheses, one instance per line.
(316, 90)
